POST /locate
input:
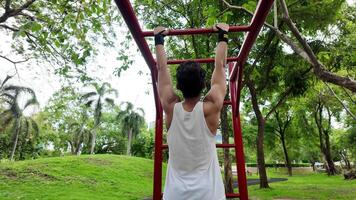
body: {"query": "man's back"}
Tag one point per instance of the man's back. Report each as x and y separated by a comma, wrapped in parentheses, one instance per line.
(193, 168)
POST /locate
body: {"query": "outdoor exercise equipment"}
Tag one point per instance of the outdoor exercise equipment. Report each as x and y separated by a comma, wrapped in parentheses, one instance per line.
(235, 78)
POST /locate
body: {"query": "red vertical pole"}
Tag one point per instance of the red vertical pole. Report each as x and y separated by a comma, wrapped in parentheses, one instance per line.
(239, 152)
(157, 170)
(135, 29)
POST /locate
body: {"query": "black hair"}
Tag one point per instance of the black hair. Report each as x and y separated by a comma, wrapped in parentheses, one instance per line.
(190, 79)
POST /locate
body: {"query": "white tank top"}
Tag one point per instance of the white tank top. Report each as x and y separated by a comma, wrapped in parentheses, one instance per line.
(193, 169)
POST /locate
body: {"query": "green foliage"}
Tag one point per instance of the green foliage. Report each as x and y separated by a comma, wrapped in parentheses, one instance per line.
(63, 33)
(143, 145)
(279, 165)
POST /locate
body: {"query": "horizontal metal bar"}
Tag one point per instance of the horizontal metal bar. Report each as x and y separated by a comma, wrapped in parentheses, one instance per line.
(165, 146)
(225, 145)
(227, 102)
(232, 195)
(199, 60)
(197, 31)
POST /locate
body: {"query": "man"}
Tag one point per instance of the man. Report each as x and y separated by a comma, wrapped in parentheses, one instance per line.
(193, 170)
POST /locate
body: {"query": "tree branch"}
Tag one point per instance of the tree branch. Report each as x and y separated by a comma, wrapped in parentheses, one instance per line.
(237, 7)
(305, 52)
(281, 35)
(347, 93)
(343, 105)
(8, 27)
(284, 95)
(7, 5)
(14, 62)
(13, 12)
(319, 68)
(280, 101)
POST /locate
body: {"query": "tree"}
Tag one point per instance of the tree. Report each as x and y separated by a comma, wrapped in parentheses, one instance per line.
(98, 99)
(283, 121)
(303, 47)
(14, 115)
(324, 129)
(63, 119)
(132, 120)
(60, 32)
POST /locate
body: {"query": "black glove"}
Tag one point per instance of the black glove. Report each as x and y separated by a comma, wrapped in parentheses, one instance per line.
(222, 35)
(159, 38)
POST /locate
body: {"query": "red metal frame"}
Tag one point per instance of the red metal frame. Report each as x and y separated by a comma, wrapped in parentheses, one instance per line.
(194, 31)
(235, 75)
(200, 60)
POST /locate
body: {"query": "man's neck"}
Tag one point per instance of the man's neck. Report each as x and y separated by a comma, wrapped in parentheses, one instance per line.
(189, 103)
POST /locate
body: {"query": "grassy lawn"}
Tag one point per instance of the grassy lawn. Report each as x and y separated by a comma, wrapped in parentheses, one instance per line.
(312, 186)
(130, 178)
(84, 177)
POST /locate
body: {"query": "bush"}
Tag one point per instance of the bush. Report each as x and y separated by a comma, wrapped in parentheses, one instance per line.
(350, 174)
(279, 165)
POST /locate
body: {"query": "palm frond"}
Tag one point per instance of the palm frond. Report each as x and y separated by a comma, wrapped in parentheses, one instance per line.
(35, 127)
(20, 89)
(141, 111)
(6, 118)
(5, 80)
(88, 95)
(111, 90)
(89, 103)
(110, 101)
(31, 102)
(8, 96)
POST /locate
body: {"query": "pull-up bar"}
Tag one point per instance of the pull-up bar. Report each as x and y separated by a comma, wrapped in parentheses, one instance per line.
(194, 31)
(200, 60)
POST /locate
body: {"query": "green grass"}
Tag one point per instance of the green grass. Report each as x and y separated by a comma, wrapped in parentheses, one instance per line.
(129, 178)
(84, 177)
(306, 186)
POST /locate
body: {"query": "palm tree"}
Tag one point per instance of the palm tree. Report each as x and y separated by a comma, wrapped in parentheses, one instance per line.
(13, 115)
(97, 99)
(2, 84)
(79, 132)
(131, 121)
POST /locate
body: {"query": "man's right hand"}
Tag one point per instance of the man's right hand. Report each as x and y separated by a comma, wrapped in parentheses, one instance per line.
(222, 26)
(160, 29)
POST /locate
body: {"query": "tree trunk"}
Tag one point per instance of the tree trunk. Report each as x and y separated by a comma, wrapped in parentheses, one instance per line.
(324, 140)
(79, 141)
(260, 137)
(313, 165)
(344, 157)
(260, 154)
(128, 152)
(93, 140)
(79, 149)
(72, 148)
(16, 139)
(287, 160)
(228, 178)
(331, 167)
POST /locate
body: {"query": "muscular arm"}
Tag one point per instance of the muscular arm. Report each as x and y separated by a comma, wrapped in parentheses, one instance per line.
(218, 80)
(215, 98)
(165, 87)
